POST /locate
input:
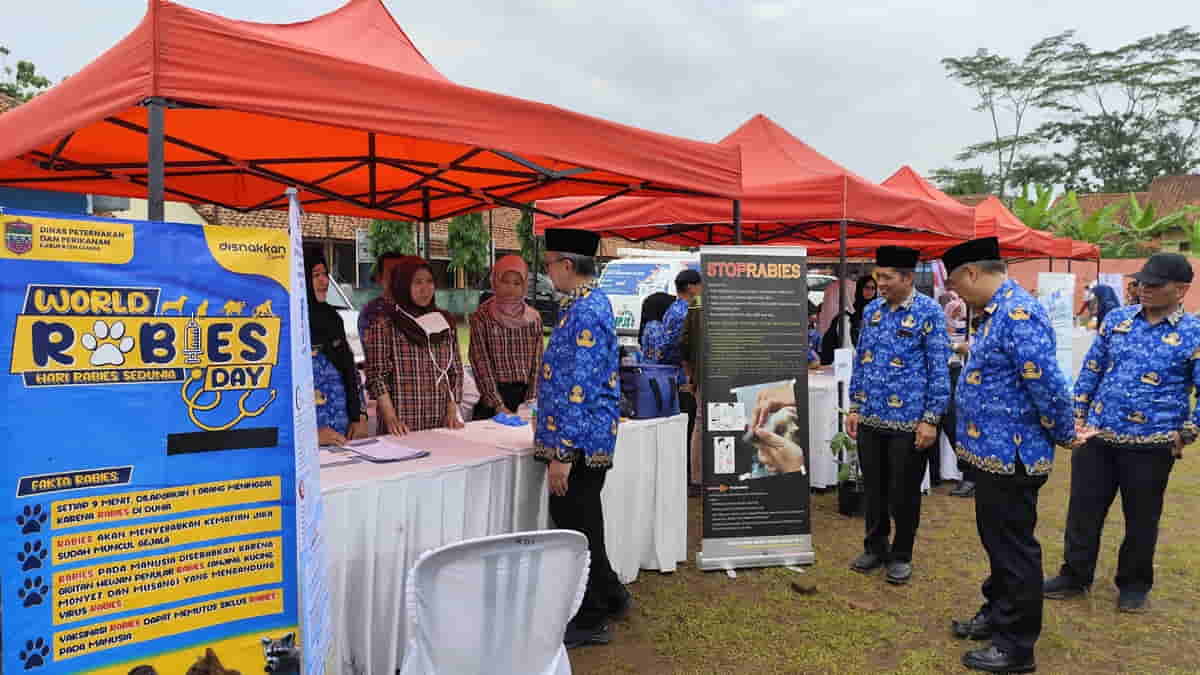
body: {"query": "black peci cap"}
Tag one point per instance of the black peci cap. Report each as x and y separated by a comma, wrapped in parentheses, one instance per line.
(579, 242)
(976, 250)
(899, 257)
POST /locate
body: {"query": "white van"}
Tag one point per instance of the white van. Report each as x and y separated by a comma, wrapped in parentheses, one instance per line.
(638, 273)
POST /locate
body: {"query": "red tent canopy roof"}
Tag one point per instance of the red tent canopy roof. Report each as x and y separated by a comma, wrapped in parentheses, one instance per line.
(343, 106)
(993, 219)
(793, 194)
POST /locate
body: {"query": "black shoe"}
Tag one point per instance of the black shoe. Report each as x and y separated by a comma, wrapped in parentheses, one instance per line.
(620, 604)
(977, 628)
(965, 488)
(993, 660)
(899, 572)
(581, 637)
(867, 563)
(1062, 587)
(1133, 602)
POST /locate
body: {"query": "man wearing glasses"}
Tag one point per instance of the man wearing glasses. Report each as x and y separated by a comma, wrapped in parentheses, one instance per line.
(578, 408)
(1134, 394)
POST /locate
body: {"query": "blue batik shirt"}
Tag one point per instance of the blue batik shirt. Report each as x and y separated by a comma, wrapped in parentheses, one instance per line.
(1136, 383)
(1012, 399)
(672, 332)
(901, 374)
(654, 342)
(329, 392)
(578, 395)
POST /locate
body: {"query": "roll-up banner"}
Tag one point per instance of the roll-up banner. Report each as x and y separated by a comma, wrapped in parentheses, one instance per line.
(756, 501)
(157, 450)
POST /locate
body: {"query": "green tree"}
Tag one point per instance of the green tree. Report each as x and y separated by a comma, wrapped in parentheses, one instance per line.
(391, 236)
(468, 244)
(1113, 120)
(525, 236)
(1009, 90)
(21, 82)
(972, 181)
(1145, 226)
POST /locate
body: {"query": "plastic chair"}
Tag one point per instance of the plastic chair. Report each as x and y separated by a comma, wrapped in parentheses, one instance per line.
(495, 605)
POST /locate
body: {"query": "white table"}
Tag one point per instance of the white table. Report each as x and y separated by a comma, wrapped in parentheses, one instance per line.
(479, 481)
(381, 517)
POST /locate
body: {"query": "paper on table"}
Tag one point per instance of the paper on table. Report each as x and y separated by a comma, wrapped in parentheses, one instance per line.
(331, 457)
(389, 452)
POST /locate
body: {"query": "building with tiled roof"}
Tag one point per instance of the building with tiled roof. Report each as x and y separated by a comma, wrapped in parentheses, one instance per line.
(7, 103)
(1167, 194)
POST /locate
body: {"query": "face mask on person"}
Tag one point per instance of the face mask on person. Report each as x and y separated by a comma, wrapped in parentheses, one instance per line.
(433, 323)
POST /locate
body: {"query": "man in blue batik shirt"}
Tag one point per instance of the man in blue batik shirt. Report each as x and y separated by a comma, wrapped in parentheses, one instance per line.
(577, 417)
(898, 390)
(1135, 391)
(1013, 407)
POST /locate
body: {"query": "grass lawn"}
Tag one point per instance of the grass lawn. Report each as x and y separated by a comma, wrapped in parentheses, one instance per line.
(694, 622)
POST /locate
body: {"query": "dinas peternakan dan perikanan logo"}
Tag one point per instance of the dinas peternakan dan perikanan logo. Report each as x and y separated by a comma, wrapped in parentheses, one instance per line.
(84, 335)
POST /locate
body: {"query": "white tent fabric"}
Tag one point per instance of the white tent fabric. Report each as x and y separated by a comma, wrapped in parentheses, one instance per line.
(495, 605)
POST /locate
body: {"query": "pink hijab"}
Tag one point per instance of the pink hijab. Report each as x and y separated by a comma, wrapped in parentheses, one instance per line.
(510, 312)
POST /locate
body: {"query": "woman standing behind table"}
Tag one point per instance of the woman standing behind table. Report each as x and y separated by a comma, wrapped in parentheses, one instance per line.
(864, 292)
(341, 413)
(506, 342)
(414, 369)
(652, 333)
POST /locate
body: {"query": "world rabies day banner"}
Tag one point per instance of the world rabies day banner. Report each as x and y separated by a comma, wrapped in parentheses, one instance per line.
(152, 429)
(756, 506)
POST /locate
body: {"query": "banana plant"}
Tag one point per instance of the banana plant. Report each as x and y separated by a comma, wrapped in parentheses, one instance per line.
(1043, 212)
(1097, 228)
(1145, 225)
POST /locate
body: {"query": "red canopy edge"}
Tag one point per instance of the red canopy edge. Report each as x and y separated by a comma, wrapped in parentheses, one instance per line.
(343, 106)
(993, 219)
(792, 194)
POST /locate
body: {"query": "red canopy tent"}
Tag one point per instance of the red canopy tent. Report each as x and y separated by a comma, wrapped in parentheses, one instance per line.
(992, 218)
(201, 108)
(792, 194)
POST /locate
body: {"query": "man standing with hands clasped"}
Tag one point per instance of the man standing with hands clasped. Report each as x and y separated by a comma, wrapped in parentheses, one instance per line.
(577, 416)
(898, 391)
(1134, 390)
(1013, 407)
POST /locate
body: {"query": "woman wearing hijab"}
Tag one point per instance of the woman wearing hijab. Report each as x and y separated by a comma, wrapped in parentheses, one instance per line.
(864, 293)
(341, 412)
(1106, 301)
(414, 369)
(506, 342)
(652, 333)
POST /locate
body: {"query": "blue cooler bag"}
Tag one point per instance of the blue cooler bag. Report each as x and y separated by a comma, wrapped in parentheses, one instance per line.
(649, 391)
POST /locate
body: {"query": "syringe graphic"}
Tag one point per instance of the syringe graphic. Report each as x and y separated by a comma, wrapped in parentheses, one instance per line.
(191, 342)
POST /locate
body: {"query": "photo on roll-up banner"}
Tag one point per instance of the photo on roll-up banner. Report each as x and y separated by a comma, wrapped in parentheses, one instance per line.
(755, 464)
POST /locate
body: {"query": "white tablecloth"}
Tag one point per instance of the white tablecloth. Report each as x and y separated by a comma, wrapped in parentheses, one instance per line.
(645, 497)
(380, 517)
(479, 481)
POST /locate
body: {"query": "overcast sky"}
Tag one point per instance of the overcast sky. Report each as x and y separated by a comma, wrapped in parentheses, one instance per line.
(860, 81)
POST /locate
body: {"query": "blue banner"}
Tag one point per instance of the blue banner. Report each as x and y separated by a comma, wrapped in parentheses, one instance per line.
(150, 447)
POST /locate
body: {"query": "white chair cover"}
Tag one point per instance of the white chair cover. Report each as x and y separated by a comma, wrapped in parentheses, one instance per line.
(495, 605)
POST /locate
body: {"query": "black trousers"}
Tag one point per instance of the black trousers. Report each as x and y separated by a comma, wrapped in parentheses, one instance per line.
(1006, 515)
(513, 395)
(687, 404)
(580, 510)
(1098, 471)
(892, 469)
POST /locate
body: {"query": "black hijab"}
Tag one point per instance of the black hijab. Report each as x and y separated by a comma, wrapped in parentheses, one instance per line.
(861, 301)
(328, 335)
(654, 308)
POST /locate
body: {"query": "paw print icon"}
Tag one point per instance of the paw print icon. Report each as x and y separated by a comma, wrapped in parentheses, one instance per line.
(31, 519)
(34, 592)
(33, 557)
(34, 654)
(108, 344)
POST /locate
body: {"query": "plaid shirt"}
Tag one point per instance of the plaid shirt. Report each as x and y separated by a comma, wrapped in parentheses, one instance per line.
(404, 371)
(499, 354)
